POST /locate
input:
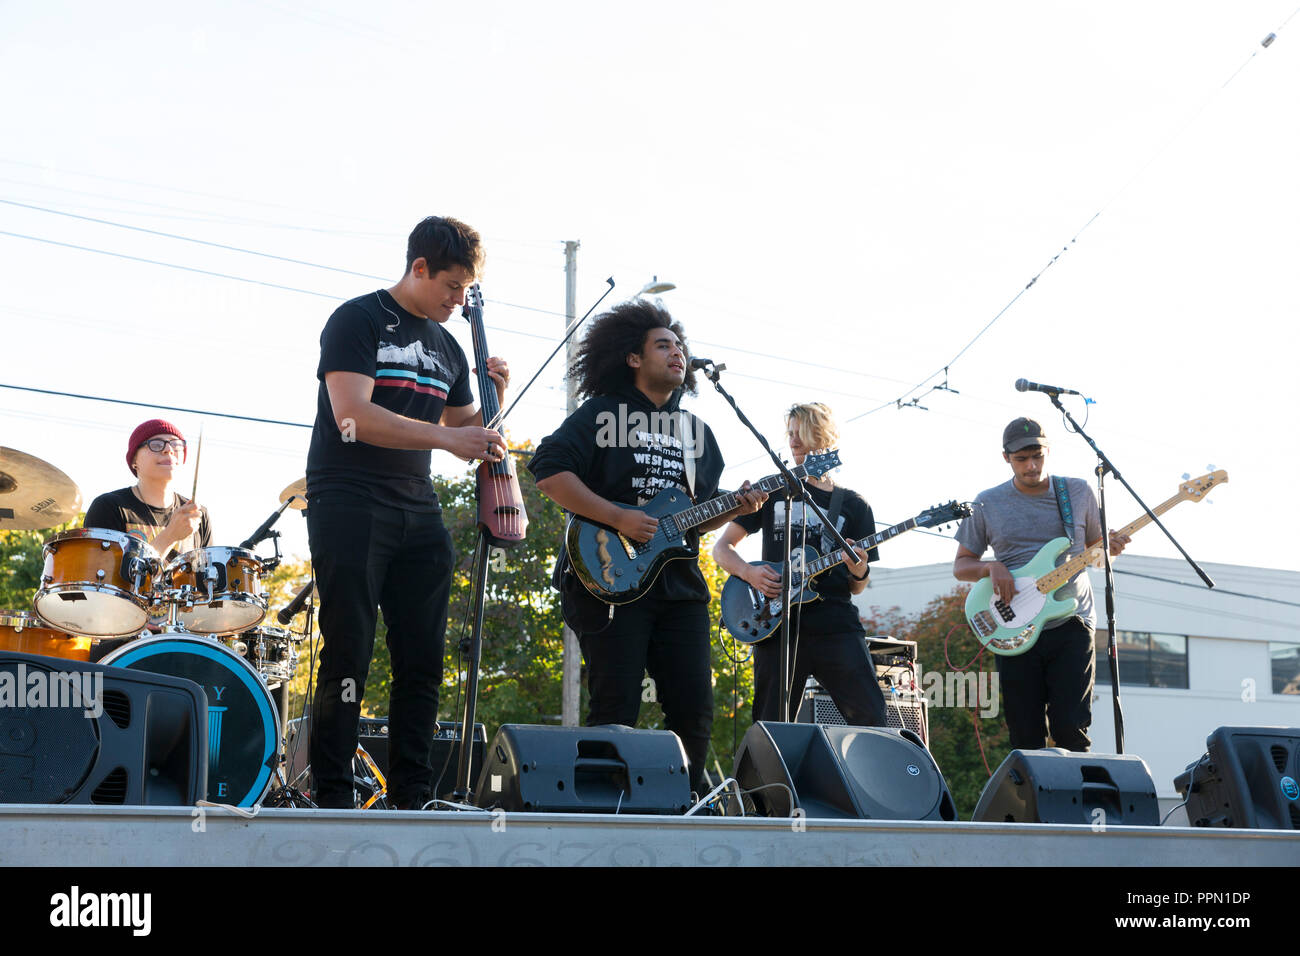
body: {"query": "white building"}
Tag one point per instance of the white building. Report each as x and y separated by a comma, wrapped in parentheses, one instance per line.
(1191, 659)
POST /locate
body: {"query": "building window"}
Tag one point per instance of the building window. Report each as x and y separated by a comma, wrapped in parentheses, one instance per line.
(1145, 659)
(1285, 659)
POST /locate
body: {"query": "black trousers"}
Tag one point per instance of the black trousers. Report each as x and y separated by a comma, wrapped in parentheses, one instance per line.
(367, 557)
(1049, 688)
(670, 641)
(840, 663)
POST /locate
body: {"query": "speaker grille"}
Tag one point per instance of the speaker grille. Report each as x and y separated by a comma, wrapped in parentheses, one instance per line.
(118, 707)
(1279, 757)
(113, 790)
(905, 713)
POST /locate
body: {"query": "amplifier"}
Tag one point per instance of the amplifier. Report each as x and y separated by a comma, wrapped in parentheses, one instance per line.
(372, 734)
(903, 711)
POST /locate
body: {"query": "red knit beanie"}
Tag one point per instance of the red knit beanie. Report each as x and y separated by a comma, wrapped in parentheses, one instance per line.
(147, 430)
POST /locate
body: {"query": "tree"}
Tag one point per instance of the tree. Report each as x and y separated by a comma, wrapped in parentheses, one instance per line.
(968, 738)
(21, 563)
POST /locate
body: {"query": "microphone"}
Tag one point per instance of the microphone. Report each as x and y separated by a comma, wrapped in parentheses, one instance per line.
(696, 364)
(1024, 385)
(260, 534)
(296, 605)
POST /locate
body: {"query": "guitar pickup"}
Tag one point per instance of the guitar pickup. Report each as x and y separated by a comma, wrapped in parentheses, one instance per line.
(1005, 610)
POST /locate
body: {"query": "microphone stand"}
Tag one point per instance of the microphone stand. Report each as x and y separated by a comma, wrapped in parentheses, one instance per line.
(1104, 465)
(793, 487)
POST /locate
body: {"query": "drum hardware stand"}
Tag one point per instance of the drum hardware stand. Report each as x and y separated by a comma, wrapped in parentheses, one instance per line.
(372, 778)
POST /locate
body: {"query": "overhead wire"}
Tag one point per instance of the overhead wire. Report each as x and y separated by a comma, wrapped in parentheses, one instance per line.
(909, 398)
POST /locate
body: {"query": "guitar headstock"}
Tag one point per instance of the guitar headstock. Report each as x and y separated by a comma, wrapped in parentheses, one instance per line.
(943, 514)
(1195, 489)
(817, 463)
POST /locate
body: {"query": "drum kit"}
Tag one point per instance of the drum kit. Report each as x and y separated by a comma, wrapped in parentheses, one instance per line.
(98, 587)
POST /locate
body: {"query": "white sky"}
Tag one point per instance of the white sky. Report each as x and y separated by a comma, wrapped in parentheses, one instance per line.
(855, 186)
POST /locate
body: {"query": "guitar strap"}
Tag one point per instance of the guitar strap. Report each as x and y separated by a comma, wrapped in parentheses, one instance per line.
(1063, 506)
(687, 435)
(833, 514)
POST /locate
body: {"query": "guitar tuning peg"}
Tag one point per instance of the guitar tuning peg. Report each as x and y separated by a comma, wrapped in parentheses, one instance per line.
(1210, 468)
(1186, 476)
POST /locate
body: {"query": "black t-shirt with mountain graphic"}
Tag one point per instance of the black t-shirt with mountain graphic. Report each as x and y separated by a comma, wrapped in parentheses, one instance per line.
(418, 369)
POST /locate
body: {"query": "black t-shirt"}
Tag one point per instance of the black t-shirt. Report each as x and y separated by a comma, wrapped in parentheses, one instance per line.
(835, 612)
(122, 510)
(627, 450)
(418, 369)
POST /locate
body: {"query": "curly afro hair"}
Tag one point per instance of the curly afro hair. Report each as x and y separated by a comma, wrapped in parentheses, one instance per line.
(601, 364)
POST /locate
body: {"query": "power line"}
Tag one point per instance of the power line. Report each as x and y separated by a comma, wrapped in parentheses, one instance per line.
(1201, 587)
(169, 408)
(201, 242)
(168, 265)
(902, 401)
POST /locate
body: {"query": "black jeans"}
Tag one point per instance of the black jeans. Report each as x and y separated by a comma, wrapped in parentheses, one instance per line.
(368, 556)
(670, 640)
(840, 663)
(1050, 687)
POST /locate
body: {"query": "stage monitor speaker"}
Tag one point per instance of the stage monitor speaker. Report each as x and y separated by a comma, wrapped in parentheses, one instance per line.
(607, 769)
(1057, 786)
(1247, 779)
(862, 773)
(75, 732)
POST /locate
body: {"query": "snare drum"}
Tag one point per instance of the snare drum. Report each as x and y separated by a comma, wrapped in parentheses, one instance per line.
(227, 590)
(96, 583)
(27, 634)
(271, 651)
(243, 724)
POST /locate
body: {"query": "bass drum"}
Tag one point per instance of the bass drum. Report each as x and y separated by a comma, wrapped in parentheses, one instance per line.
(243, 725)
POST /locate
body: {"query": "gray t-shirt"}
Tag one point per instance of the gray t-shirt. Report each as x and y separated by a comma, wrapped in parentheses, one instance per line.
(1016, 525)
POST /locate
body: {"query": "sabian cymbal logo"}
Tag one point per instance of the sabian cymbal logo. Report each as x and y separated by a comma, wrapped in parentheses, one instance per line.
(77, 909)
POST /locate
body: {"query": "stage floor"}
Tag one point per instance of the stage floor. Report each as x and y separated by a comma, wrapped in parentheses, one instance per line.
(179, 836)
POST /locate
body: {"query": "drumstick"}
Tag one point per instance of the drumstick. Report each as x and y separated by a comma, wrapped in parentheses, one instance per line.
(198, 455)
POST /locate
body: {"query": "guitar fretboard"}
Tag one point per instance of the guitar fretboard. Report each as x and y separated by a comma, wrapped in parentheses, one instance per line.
(829, 560)
(717, 507)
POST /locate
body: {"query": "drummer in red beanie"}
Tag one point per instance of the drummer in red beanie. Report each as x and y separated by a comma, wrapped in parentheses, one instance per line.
(152, 508)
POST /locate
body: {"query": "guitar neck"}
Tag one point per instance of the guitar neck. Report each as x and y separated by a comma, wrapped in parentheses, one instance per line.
(1052, 580)
(831, 559)
(721, 505)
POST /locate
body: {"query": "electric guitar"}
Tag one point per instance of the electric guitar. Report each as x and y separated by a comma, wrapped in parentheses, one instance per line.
(1012, 629)
(751, 616)
(619, 570)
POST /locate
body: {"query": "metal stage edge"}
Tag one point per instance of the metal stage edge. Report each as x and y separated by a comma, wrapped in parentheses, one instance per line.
(180, 836)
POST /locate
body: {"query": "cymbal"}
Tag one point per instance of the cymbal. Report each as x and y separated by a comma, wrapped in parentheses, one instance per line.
(297, 491)
(34, 495)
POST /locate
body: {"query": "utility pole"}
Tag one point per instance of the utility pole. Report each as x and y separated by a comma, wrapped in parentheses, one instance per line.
(571, 679)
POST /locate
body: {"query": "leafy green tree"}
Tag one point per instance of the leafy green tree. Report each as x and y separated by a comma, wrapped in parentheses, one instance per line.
(21, 563)
(966, 745)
